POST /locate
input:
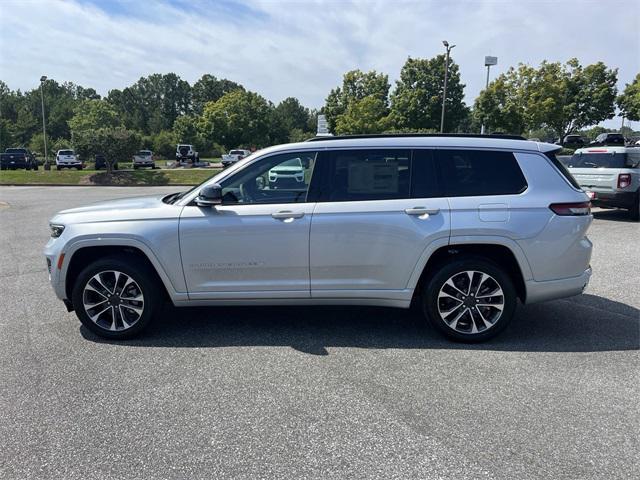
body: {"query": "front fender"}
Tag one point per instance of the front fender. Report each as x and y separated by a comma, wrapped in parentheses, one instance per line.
(174, 283)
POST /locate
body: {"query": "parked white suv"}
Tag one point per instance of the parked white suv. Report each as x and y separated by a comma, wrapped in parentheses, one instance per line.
(463, 225)
(610, 176)
(67, 158)
(287, 174)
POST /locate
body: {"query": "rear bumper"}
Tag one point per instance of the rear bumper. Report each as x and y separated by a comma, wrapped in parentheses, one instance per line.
(14, 164)
(144, 164)
(70, 164)
(553, 289)
(614, 199)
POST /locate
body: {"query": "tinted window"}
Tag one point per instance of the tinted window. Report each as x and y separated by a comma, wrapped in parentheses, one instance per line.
(598, 160)
(266, 182)
(66, 152)
(476, 172)
(368, 175)
(424, 183)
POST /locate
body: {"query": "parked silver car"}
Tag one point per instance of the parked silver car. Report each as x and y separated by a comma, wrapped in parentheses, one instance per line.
(610, 176)
(464, 226)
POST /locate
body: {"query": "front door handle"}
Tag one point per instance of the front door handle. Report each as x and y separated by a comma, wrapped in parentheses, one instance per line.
(285, 214)
(421, 211)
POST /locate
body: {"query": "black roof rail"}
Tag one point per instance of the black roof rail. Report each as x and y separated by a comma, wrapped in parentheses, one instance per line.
(401, 135)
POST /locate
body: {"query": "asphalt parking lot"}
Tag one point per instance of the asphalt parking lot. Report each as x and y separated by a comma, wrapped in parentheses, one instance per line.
(328, 393)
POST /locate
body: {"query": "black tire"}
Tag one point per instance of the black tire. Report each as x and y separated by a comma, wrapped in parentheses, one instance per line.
(463, 330)
(58, 167)
(634, 212)
(140, 273)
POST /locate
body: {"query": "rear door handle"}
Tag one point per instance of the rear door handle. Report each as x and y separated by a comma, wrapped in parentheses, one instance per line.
(287, 214)
(421, 211)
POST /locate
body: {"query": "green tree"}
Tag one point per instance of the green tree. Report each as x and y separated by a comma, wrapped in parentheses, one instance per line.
(153, 103)
(164, 143)
(6, 136)
(92, 115)
(116, 144)
(356, 85)
(292, 114)
(210, 89)
(416, 102)
(500, 107)
(36, 144)
(368, 115)
(565, 98)
(629, 100)
(238, 119)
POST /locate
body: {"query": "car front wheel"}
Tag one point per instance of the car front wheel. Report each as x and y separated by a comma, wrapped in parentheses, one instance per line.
(116, 297)
(470, 300)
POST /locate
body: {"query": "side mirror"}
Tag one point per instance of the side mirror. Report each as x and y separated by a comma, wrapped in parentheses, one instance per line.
(209, 196)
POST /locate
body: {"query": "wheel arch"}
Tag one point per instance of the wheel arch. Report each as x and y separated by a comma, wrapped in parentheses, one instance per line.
(510, 258)
(84, 252)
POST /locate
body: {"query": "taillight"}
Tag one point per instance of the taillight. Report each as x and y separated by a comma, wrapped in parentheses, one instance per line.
(571, 209)
(624, 180)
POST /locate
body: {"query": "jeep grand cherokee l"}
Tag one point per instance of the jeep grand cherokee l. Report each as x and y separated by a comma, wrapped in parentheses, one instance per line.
(463, 226)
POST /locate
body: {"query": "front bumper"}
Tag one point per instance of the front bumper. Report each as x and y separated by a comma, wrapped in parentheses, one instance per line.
(52, 252)
(554, 289)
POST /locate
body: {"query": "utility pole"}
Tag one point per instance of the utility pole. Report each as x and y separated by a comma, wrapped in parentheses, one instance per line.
(44, 126)
(488, 62)
(446, 76)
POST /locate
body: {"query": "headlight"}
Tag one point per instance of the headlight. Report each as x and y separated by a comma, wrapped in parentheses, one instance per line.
(56, 230)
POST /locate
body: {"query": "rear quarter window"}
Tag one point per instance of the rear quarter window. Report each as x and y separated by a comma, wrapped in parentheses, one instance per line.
(563, 169)
(471, 173)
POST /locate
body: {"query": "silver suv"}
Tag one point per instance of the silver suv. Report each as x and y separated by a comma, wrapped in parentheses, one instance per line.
(463, 226)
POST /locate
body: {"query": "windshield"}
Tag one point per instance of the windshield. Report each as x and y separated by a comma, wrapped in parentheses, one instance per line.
(236, 152)
(598, 160)
(294, 162)
(65, 152)
(144, 153)
(16, 150)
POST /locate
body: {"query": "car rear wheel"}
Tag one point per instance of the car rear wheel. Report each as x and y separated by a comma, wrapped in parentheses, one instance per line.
(116, 297)
(470, 300)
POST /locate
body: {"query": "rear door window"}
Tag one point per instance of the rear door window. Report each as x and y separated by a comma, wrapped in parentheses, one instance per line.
(356, 175)
(470, 173)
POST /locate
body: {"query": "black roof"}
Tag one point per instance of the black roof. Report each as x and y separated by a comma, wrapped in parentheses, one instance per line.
(395, 135)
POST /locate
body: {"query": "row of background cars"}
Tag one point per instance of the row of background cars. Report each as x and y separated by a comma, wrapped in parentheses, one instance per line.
(22, 158)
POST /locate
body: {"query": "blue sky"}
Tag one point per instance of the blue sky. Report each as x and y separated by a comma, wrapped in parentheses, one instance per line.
(302, 48)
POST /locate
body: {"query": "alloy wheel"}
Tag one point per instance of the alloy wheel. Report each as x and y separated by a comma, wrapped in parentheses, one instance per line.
(471, 302)
(113, 300)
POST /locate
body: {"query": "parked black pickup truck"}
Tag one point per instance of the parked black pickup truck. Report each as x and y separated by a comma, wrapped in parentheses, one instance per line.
(14, 158)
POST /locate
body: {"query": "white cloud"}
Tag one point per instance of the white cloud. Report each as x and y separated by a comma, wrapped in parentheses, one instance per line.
(301, 49)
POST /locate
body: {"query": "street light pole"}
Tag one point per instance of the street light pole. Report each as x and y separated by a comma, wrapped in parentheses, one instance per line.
(44, 126)
(488, 61)
(446, 76)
